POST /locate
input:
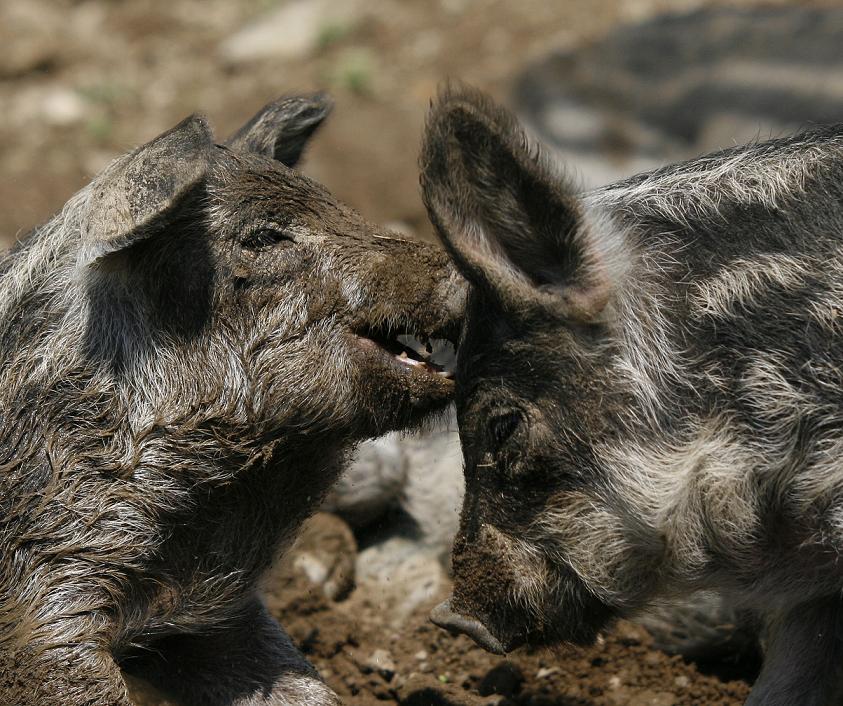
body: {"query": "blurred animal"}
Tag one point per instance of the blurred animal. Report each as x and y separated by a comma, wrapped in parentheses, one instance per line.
(410, 484)
(682, 84)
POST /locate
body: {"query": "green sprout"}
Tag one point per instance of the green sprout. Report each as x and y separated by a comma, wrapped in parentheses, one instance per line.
(100, 127)
(330, 34)
(354, 71)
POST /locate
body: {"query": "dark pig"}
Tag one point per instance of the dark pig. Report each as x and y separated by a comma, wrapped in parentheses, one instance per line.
(649, 390)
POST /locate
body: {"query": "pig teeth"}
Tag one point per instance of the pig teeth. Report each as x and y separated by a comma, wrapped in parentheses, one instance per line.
(443, 354)
(404, 358)
(432, 355)
(419, 346)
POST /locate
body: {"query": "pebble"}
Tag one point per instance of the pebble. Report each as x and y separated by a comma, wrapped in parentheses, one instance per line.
(504, 679)
(381, 661)
(653, 698)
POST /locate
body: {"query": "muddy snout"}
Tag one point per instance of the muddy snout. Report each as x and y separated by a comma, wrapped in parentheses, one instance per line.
(443, 616)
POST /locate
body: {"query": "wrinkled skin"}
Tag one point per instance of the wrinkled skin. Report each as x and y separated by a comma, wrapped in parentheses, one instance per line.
(648, 391)
(191, 349)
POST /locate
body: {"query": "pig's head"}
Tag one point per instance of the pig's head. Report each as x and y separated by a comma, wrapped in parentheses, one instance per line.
(238, 293)
(544, 553)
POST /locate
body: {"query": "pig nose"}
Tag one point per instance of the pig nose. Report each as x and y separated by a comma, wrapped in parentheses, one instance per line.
(444, 617)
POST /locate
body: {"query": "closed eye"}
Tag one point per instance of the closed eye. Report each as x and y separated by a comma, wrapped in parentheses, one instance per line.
(502, 427)
(264, 238)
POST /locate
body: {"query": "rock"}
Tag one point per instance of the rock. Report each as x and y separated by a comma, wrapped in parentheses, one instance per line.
(653, 698)
(323, 555)
(51, 105)
(381, 661)
(505, 679)
(61, 106)
(292, 31)
(419, 474)
(403, 575)
(435, 485)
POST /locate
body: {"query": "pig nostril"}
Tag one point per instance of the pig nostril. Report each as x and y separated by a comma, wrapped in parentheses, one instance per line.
(444, 617)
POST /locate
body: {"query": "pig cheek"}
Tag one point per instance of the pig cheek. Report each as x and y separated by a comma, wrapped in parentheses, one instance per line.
(593, 544)
(323, 303)
(306, 376)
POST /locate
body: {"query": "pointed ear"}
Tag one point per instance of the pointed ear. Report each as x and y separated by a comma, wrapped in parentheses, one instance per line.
(514, 228)
(282, 129)
(137, 191)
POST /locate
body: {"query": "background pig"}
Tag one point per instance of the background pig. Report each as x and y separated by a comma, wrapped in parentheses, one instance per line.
(649, 390)
(190, 348)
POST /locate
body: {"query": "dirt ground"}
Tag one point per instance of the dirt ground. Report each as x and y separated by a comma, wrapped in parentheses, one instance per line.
(369, 656)
(83, 80)
(367, 660)
(427, 667)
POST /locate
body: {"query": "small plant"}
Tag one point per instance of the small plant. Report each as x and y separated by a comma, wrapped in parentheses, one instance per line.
(100, 127)
(354, 72)
(103, 93)
(331, 33)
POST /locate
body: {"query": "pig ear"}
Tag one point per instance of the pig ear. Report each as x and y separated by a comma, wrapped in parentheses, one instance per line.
(136, 193)
(282, 129)
(514, 228)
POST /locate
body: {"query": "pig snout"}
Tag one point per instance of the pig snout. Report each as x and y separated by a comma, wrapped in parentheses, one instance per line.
(443, 616)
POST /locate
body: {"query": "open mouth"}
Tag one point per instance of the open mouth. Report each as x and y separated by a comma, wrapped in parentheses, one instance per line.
(416, 353)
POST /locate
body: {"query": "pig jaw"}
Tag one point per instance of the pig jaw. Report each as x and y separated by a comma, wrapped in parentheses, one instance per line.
(503, 601)
(507, 632)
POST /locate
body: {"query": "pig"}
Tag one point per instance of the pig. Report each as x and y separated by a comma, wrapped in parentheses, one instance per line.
(402, 481)
(190, 350)
(649, 390)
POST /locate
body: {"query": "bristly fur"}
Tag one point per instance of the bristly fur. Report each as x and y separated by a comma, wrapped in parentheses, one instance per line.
(182, 379)
(686, 433)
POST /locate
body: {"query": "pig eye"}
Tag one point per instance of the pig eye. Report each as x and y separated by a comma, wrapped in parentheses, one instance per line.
(502, 427)
(264, 238)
